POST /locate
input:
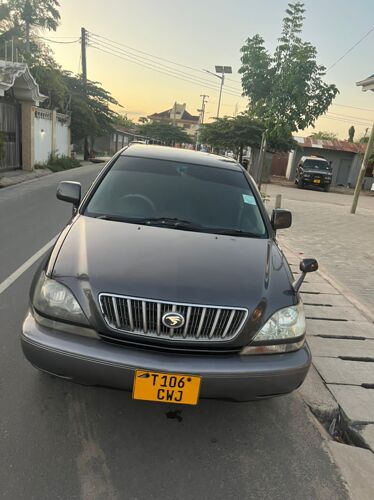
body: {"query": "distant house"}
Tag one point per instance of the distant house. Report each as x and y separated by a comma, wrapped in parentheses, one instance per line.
(178, 115)
(345, 158)
(367, 84)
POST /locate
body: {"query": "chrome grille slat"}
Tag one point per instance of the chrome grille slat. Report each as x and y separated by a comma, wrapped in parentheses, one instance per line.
(143, 317)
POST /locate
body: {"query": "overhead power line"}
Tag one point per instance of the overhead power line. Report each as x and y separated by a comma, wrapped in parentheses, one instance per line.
(353, 107)
(154, 68)
(157, 57)
(350, 49)
(56, 41)
(155, 63)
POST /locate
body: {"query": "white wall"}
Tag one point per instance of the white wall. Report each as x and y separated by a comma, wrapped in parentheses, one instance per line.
(42, 135)
(51, 134)
(62, 138)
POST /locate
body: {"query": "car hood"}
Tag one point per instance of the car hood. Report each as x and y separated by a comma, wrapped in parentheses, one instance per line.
(316, 172)
(173, 265)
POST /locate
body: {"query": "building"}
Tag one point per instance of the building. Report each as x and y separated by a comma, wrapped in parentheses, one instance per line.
(344, 156)
(179, 116)
(109, 144)
(367, 84)
(29, 134)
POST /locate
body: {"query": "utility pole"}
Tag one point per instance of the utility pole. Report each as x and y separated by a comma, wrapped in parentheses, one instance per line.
(361, 175)
(202, 111)
(86, 152)
(202, 114)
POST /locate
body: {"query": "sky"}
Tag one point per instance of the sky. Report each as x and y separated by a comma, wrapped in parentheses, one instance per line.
(201, 34)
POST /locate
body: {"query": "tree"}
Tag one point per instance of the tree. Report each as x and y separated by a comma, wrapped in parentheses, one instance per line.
(165, 132)
(123, 121)
(326, 136)
(90, 114)
(286, 89)
(39, 13)
(351, 133)
(243, 130)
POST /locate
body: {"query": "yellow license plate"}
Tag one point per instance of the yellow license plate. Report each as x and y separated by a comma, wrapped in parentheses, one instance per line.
(166, 387)
(317, 181)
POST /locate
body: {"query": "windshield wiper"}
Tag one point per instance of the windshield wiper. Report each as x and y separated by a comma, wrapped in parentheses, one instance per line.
(232, 232)
(170, 221)
(163, 221)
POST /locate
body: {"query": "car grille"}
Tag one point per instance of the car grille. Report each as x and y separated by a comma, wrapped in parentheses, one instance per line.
(144, 317)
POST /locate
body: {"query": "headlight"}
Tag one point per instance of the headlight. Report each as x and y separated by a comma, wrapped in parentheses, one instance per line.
(306, 175)
(275, 335)
(57, 301)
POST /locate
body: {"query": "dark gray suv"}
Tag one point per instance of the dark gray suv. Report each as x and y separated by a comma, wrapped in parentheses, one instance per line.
(168, 282)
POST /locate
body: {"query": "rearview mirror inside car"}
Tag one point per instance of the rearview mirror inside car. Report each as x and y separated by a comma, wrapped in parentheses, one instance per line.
(69, 191)
(281, 219)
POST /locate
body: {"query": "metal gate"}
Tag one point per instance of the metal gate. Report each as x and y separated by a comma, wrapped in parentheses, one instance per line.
(10, 132)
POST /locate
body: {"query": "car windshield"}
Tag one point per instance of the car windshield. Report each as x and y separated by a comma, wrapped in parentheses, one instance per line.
(178, 195)
(317, 165)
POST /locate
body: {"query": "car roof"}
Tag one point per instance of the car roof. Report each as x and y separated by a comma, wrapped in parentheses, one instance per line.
(303, 158)
(180, 155)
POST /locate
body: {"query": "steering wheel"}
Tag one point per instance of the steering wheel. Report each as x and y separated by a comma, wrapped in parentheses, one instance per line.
(141, 197)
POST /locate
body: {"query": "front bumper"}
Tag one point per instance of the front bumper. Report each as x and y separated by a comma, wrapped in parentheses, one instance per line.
(95, 362)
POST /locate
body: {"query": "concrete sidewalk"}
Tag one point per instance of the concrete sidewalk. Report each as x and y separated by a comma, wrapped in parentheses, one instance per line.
(14, 177)
(340, 387)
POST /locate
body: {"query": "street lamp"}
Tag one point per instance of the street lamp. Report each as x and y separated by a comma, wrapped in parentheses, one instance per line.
(222, 70)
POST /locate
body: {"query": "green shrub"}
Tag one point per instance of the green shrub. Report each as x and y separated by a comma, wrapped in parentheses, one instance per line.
(58, 163)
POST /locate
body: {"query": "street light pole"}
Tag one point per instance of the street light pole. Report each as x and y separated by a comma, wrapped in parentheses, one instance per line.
(361, 175)
(220, 93)
(221, 70)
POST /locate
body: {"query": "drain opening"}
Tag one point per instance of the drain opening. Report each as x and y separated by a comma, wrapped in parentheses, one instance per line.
(343, 337)
(318, 305)
(327, 319)
(362, 359)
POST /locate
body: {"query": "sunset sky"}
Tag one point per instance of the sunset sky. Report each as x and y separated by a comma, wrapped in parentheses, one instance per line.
(201, 34)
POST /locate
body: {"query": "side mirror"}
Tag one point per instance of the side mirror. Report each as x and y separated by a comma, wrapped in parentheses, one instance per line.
(69, 191)
(281, 219)
(306, 266)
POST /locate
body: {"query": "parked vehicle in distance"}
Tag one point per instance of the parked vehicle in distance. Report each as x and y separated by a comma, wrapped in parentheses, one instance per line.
(313, 171)
(168, 282)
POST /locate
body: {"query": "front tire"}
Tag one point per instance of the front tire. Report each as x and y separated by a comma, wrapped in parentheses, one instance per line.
(327, 188)
(300, 184)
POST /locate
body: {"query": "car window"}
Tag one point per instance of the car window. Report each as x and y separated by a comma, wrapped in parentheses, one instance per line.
(317, 165)
(212, 199)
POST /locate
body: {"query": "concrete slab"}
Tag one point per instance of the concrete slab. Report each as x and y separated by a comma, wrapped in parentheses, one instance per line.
(311, 278)
(340, 328)
(367, 435)
(357, 468)
(325, 298)
(335, 312)
(339, 371)
(335, 348)
(318, 397)
(357, 403)
(319, 288)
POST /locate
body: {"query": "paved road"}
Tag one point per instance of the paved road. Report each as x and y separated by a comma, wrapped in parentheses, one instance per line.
(64, 441)
(324, 228)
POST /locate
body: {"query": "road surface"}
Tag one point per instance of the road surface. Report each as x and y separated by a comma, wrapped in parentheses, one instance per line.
(64, 441)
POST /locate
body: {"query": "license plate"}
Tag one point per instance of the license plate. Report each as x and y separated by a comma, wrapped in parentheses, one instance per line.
(166, 387)
(317, 181)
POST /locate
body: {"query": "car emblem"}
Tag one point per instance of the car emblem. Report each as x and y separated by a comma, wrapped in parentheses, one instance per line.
(173, 320)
